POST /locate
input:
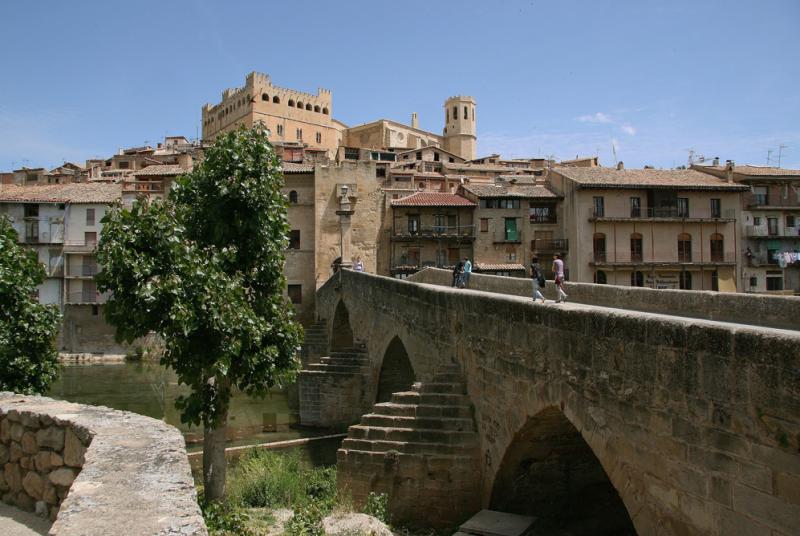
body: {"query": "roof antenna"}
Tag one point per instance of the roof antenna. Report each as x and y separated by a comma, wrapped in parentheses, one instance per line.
(614, 153)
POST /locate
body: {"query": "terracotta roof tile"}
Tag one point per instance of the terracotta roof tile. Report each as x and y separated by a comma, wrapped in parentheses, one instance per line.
(502, 190)
(755, 171)
(78, 192)
(161, 169)
(291, 167)
(681, 179)
(432, 199)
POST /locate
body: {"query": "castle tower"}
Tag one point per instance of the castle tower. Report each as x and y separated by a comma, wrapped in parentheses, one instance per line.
(459, 126)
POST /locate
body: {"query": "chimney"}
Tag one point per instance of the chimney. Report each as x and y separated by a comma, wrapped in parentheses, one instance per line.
(414, 121)
(729, 167)
(716, 161)
(620, 165)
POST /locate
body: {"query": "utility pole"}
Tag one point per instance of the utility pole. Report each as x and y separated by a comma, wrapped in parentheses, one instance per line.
(781, 147)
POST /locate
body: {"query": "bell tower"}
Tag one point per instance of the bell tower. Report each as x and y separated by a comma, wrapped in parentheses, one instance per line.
(459, 126)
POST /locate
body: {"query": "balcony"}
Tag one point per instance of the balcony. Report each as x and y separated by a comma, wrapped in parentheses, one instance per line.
(627, 258)
(83, 271)
(79, 246)
(663, 214)
(763, 231)
(436, 232)
(405, 264)
(543, 245)
(84, 298)
(143, 187)
(507, 236)
(770, 202)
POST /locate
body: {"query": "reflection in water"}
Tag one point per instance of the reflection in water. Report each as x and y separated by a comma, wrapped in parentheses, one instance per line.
(150, 389)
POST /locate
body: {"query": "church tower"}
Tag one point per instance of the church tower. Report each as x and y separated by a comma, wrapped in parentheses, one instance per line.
(459, 126)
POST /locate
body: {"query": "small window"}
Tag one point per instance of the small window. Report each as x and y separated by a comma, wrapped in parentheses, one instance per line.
(265, 97)
(484, 225)
(636, 207)
(294, 239)
(716, 208)
(300, 134)
(451, 160)
(380, 171)
(95, 309)
(600, 277)
(756, 220)
(293, 196)
(760, 195)
(316, 109)
(455, 113)
(466, 113)
(319, 137)
(599, 206)
(685, 280)
(295, 293)
(124, 165)
(325, 111)
(791, 221)
(419, 155)
(683, 207)
(276, 100)
(291, 103)
(754, 281)
(280, 130)
(435, 156)
(684, 247)
(89, 216)
(637, 279)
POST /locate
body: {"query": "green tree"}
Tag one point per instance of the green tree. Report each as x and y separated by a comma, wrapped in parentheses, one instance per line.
(28, 358)
(204, 270)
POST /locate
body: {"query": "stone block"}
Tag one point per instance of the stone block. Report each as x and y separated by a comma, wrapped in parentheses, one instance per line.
(13, 476)
(42, 461)
(13, 416)
(3, 484)
(41, 509)
(28, 443)
(29, 420)
(4, 454)
(24, 501)
(788, 487)
(64, 476)
(26, 462)
(766, 509)
(52, 437)
(49, 494)
(74, 449)
(16, 431)
(5, 430)
(756, 476)
(56, 460)
(721, 491)
(729, 443)
(735, 524)
(33, 484)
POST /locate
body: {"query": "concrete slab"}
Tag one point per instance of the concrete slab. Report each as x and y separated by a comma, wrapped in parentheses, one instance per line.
(16, 522)
(492, 523)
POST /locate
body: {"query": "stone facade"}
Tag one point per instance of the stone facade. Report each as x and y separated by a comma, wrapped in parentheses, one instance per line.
(692, 424)
(93, 470)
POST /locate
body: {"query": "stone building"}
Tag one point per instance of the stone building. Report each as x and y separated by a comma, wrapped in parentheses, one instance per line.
(770, 226)
(515, 221)
(648, 227)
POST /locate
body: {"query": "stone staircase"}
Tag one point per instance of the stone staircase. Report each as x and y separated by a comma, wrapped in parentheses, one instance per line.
(315, 342)
(419, 448)
(332, 389)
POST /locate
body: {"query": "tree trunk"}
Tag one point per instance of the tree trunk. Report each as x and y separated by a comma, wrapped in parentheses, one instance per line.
(215, 464)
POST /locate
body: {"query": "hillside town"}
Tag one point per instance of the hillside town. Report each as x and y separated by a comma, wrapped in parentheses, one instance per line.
(399, 199)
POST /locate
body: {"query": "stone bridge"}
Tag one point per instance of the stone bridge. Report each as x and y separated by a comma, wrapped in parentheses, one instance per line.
(593, 419)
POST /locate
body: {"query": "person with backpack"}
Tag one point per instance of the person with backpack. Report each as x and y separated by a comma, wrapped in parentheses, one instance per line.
(538, 279)
(458, 269)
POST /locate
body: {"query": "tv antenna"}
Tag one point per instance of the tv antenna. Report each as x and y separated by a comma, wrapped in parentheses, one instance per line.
(614, 153)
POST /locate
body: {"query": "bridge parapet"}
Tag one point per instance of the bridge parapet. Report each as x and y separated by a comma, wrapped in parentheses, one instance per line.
(695, 423)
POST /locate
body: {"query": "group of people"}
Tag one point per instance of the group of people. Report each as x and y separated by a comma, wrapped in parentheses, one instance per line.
(461, 273)
(537, 275)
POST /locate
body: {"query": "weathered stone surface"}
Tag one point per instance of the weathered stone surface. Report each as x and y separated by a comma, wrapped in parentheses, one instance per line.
(347, 524)
(33, 484)
(16, 432)
(5, 430)
(63, 476)
(15, 452)
(28, 443)
(51, 437)
(49, 493)
(24, 501)
(41, 461)
(73, 449)
(56, 460)
(13, 476)
(42, 509)
(25, 462)
(4, 454)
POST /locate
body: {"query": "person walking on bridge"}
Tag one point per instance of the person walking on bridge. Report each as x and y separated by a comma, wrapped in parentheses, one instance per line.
(538, 279)
(458, 269)
(467, 271)
(558, 269)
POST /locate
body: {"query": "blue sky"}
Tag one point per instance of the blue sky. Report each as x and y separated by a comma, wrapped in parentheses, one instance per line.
(654, 78)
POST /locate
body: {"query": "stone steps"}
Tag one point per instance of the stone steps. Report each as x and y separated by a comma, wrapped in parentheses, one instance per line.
(412, 435)
(367, 457)
(440, 388)
(325, 367)
(422, 410)
(434, 399)
(409, 447)
(417, 423)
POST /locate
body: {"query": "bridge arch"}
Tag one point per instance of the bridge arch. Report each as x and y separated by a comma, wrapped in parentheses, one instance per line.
(550, 472)
(396, 372)
(341, 332)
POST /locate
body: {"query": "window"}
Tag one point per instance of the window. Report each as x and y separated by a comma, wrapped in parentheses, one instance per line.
(435, 157)
(95, 309)
(419, 155)
(636, 207)
(599, 207)
(325, 111)
(760, 196)
(291, 103)
(484, 225)
(772, 226)
(683, 207)
(452, 161)
(89, 216)
(600, 277)
(791, 221)
(599, 242)
(124, 165)
(455, 113)
(439, 223)
(319, 137)
(716, 208)
(636, 248)
(294, 239)
(466, 114)
(293, 196)
(717, 248)
(300, 134)
(542, 213)
(511, 256)
(90, 239)
(774, 283)
(380, 171)
(276, 100)
(715, 281)
(510, 228)
(685, 280)
(31, 211)
(684, 247)
(637, 279)
(295, 293)
(756, 220)
(413, 224)
(753, 282)
(280, 130)
(265, 97)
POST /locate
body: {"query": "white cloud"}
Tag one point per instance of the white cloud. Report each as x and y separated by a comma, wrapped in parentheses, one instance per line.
(598, 117)
(628, 129)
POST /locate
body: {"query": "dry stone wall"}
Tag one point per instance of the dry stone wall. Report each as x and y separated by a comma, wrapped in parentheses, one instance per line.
(94, 470)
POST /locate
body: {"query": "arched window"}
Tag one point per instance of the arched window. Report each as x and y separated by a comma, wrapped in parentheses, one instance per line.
(684, 247)
(265, 97)
(599, 247)
(276, 100)
(325, 111)
(455, 113)
(300, 104)
(685, 280)
(717, 248)
(466, 113)
(291, 103)
(293, 196)
(308, 107)
(637, 279)
(316, 109)
(600, 277)
(636, 248)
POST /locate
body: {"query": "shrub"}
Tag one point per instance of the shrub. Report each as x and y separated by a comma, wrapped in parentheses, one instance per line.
(225, 519)
(378, 506)
(306, 521)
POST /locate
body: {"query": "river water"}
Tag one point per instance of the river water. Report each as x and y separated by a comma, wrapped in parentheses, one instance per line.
(150, 389)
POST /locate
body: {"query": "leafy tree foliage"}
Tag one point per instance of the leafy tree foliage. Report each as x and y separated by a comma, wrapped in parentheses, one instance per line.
(204, 269)
(28, 358)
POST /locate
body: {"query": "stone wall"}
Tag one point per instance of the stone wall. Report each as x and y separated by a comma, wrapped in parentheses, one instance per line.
(696, 424)
(754, 309)
(93, 470)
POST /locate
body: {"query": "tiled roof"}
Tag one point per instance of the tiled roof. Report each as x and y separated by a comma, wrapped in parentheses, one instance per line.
(291, 167)
(432, 199)
(755, 171)
(578, 159)
(477, 167)
(161, 169)
(502, 190)
(78, 192)
(487, 267)
(681, 179)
